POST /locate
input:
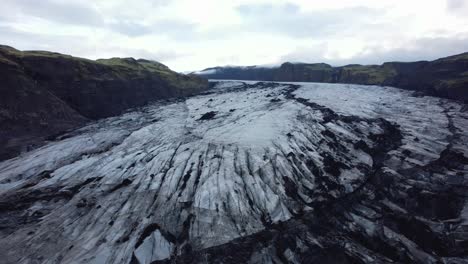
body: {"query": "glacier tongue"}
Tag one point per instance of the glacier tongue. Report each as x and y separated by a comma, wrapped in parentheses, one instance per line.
(249, 172)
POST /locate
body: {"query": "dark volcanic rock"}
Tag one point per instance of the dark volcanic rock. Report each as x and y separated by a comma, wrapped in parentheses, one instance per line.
(44, 93)
(208, 115)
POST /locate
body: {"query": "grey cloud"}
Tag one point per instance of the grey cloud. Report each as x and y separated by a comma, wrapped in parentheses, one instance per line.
(419, 49)
(178, 30)
(74, 13)
(228, 60)
(61, 12)
(313, 53)
(455, 4)
(458, 7)
(27, 40)
(254, 10)
(84, 48)
(171, 28)
(161, 55)
(288, 19)
(130, 28)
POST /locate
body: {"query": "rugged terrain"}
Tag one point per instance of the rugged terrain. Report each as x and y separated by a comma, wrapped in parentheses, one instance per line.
(445, 77)
(45, 93)
(248, 172)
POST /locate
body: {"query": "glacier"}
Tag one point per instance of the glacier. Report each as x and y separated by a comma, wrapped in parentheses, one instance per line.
(248, 172)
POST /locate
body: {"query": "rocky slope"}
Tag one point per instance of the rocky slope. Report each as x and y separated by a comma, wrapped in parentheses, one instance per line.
(248, 173)
(446, 77)
(44, 93)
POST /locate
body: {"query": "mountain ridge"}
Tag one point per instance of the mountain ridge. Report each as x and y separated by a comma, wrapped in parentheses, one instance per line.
(444, 77)
(46, 93)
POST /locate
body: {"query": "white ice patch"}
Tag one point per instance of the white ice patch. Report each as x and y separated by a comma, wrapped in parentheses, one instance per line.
(241, 118)
(154, 247)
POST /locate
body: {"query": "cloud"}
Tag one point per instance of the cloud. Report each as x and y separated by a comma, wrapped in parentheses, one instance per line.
(159, 55)
(428, 48)
(130, 28)
(244, 32)
(457, 7)
(62, 13)
(455, 4)
(67, 12)
(288, 19)
(86, 47)
(178, 30)
(28, 40)
(311, 53)
(173, 29)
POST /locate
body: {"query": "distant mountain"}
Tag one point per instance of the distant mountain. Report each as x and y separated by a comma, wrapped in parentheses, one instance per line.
(446, 77)
(45, 93)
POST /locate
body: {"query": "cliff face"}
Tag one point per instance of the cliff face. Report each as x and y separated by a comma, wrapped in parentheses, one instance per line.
(239, 73)
(446, 77)
(45, 93)
(304, 72)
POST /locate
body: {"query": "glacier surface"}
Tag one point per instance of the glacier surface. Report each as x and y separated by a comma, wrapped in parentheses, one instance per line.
(248, 172)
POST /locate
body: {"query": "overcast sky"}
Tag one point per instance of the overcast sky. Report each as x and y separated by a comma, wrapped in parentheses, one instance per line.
(192, 35)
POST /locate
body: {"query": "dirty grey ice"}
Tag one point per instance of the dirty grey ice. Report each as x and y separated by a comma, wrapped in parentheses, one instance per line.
(248, 172)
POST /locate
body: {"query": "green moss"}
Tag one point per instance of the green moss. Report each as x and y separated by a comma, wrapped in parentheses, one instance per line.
(126, 62)
(125, 67)
(372, 73)
(319, 66)
(103, 69)
(455, 81)
(130, 66)
(153, 65)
